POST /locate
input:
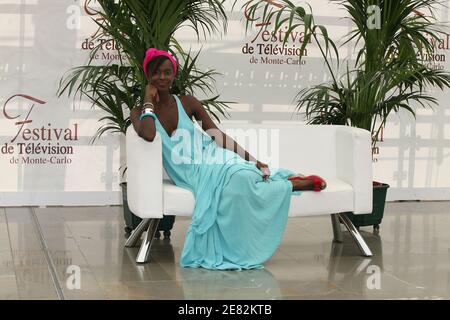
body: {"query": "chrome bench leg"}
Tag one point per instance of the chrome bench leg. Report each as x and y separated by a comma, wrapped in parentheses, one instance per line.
(137, 233)
(144, 250)
(337, 231)
(365, 250)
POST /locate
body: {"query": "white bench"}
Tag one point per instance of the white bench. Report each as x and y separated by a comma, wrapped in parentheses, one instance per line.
(340, 154)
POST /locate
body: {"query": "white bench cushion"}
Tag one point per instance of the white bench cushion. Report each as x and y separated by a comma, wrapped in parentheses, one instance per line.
(337, 197)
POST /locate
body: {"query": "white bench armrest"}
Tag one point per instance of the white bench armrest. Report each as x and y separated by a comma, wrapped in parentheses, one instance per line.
(144, 175)
(354, 165)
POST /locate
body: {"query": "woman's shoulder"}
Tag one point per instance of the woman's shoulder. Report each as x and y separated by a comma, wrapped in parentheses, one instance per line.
(188, 98)
(189, 102)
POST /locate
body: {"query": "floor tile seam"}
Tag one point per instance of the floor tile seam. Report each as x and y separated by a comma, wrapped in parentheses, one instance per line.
(11, 252)
(50, 265)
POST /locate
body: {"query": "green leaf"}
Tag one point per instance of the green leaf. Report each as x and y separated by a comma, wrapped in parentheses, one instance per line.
(136, 25)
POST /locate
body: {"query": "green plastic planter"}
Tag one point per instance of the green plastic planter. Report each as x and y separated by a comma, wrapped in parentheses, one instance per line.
(374, 218)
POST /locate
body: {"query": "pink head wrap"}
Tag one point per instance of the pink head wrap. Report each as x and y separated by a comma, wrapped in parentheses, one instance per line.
(153, 53)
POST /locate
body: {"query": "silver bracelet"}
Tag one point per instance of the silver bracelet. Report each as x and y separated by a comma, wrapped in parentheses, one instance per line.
(148, 103)
(147, 110)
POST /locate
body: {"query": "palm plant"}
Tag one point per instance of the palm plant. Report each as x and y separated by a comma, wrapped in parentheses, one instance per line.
(136, 25)
(388, 73)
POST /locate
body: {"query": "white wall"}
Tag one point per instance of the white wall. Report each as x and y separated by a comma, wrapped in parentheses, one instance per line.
(40, 40)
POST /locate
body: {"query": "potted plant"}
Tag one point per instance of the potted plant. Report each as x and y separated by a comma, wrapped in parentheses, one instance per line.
(392, 39)
(136, 25)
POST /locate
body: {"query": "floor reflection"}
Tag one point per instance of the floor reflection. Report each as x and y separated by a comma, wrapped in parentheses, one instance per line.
(212, 284)
(410, 259)
(162, 251)
(349, 270)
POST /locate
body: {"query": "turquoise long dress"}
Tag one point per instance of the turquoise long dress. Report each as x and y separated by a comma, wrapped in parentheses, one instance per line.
(238, 219)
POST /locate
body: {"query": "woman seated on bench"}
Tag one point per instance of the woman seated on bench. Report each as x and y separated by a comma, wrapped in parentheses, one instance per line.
(241, 205)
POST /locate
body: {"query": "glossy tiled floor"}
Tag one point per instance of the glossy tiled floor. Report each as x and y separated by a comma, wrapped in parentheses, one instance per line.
(41, 250)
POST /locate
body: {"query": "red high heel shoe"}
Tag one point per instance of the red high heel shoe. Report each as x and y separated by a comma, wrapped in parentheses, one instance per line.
(316, 180)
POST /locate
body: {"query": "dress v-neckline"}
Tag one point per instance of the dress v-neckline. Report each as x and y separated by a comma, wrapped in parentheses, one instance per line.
(178, 119)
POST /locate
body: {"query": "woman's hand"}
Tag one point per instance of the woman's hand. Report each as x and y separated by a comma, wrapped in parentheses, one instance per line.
(151, 94)
(264, 169)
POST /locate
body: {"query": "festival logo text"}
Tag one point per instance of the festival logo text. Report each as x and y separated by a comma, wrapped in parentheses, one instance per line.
(107, 47)
(37, 144)
(268, 47)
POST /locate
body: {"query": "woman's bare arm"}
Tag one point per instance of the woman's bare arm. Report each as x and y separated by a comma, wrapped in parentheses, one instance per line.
(210, 127)
(145, 128)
